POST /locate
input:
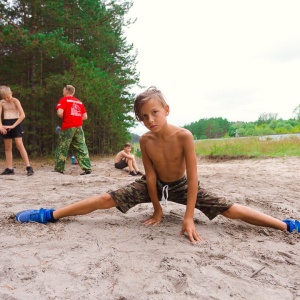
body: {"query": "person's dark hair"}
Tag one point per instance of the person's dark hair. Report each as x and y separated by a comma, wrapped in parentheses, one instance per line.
(127, 145)
(150, 93)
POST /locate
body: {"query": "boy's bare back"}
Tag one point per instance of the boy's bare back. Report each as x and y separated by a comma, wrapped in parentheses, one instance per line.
(168, 151)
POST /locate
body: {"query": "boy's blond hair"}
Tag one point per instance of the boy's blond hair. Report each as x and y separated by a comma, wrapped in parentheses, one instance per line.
(70, 89)
(4, 90)
(151, 93)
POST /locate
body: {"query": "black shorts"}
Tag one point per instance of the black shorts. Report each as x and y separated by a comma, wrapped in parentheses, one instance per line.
(12, 133)
(121, 164)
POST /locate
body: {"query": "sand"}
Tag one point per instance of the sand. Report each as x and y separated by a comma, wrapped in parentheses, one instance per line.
(110, 255)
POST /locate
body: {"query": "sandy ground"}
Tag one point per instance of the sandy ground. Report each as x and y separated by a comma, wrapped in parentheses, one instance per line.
(110, 255)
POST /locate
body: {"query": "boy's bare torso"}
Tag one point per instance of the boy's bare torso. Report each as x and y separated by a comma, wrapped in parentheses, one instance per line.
(9, 108)
(166, 153)
(119, 156)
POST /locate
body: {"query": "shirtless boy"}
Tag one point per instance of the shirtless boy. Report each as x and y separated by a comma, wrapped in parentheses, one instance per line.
(11, 128)
(170, 164)
(125, 159)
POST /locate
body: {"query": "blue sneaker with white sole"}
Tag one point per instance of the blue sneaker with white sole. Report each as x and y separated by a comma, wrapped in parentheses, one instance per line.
(292, 225)
(42, 215)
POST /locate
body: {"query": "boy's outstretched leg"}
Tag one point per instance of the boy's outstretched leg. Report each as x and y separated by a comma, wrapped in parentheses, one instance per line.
(82, 207)
(257, 218)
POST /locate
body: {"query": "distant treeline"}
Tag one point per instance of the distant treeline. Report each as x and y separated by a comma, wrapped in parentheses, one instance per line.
(267, 124)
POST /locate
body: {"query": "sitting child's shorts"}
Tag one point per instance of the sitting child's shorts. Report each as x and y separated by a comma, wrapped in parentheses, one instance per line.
(121, 164)
(136, 193)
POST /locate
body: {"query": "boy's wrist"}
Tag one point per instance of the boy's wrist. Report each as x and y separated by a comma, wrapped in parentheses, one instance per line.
(157, 206)
(189, 215)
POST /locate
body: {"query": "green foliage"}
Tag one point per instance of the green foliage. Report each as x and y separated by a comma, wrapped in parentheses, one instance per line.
(209, 128)
(296, 112)
(220, 128)
(248, 147)
(47, 44)
(265, 118)
(135, 138)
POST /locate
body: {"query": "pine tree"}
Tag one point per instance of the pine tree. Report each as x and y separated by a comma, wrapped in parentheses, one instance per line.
(47, 44)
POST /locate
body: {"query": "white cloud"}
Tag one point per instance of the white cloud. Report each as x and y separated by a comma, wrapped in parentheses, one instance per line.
(233, 59)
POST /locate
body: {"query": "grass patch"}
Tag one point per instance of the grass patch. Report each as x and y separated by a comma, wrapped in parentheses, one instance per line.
(248, 147)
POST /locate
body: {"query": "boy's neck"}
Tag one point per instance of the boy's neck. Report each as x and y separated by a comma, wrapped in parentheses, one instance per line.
(165, 131)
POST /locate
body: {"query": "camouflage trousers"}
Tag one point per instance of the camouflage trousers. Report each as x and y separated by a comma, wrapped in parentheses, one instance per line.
(137, 192)
(72, 138)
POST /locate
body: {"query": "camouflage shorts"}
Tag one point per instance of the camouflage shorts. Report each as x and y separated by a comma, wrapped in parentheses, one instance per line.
(137, 193)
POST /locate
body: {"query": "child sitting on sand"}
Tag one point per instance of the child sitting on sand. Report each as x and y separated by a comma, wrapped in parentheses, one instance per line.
(170, 165)
(125, 159)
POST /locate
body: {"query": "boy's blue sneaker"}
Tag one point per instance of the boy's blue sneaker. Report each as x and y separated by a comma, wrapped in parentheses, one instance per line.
(292, 225)
(39, 216)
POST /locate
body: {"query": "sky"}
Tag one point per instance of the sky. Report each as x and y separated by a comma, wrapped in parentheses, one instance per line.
(234, 59)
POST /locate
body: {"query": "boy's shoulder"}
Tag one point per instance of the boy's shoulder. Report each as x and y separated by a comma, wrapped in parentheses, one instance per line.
(184, 132)
(15, 99)
(172, 131)
(120, 152)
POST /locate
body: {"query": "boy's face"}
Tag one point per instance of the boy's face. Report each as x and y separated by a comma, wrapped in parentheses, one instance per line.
(127, 149)
(7, 97)
(154, 114)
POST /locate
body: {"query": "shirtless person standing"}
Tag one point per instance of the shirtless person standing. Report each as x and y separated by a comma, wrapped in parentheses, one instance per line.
(11, 128)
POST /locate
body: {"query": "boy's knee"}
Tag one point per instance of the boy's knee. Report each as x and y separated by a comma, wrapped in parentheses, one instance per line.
(108, 201)
(232, 212)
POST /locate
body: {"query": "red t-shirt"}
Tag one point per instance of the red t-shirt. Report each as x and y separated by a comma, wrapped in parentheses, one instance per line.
(73, 112)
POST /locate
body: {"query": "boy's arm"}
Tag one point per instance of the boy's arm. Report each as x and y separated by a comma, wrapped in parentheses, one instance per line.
(60, 112)
(84, 116)
(2, 129)
(124, 154)
(0, 113)
(188, 225)
(151, 185)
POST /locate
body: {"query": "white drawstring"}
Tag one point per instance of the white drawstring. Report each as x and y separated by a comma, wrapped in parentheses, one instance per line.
(165, 195)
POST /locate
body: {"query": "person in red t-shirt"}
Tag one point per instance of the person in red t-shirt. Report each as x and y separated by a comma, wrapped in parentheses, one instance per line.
(72, 112)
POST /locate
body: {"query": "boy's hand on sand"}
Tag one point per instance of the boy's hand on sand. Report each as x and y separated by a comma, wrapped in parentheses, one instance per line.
(188, 226)
(155, 219)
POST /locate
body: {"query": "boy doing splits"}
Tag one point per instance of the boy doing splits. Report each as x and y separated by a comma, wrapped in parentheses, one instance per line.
(170, 164)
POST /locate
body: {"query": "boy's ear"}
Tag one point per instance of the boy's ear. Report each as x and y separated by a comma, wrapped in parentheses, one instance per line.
(167, 110)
